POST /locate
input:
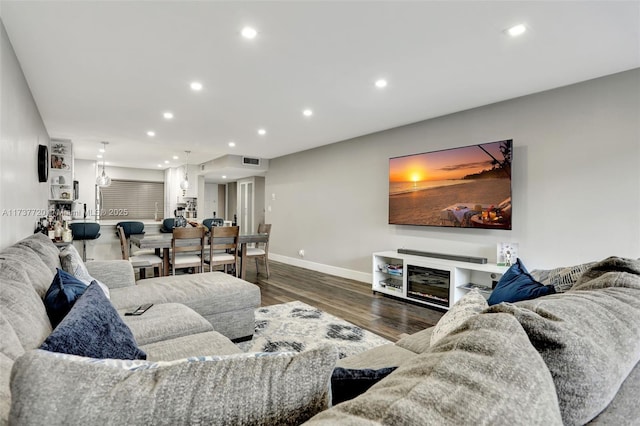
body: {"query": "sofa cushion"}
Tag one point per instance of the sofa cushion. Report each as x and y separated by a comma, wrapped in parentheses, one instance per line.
(40, 247)
(485, 372)
(589, 336)
(114, 273)
(93, 328)
(165, 321)
(469, 305)
(201, 344)
(10, 349)
(21, 305)
(347, 383)
(517, 284)
(73, 264)
(6, 364)
(63, 293)
(268, 389)
(417, 342)
(227, 302)
(378, 357)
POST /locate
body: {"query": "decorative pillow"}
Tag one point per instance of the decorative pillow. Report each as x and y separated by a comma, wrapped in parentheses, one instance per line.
(563, 278)
(470, 305)
(242, 389)
(347, 383)
(517, 284)
(93, 328)
(63, 293)
(72, 263)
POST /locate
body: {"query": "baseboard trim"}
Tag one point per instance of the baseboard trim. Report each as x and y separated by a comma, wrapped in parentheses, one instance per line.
(325, 269)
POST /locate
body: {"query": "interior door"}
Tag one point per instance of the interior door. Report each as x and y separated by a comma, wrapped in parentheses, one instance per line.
(245, 209)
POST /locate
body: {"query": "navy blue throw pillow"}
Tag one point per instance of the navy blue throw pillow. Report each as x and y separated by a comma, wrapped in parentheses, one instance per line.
(65, 289)
(94, 329)
(347, 383)
(517, 284)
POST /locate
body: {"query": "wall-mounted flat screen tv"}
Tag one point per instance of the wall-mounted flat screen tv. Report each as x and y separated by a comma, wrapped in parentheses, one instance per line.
(466, 187)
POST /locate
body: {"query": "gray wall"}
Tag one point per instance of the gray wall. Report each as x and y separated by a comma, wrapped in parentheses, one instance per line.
(576, 183)
(22, 197)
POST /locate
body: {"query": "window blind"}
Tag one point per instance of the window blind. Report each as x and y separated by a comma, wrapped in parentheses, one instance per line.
(132, 200)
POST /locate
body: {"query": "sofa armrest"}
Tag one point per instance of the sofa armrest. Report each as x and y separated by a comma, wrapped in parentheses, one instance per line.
(113, 273)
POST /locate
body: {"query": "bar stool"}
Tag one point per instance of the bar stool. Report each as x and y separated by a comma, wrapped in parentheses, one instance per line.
(85, 231)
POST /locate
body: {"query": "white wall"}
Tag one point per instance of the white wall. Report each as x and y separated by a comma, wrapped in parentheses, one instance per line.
(22, 198)
(576, 183)
(210, 202)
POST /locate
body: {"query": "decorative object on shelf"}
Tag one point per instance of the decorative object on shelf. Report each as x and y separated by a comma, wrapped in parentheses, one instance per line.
(184, 185)
(43, 166)
(103, 180)
(507, 254)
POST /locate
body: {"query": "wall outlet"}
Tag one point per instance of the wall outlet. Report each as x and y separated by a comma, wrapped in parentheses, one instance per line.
(301, 253)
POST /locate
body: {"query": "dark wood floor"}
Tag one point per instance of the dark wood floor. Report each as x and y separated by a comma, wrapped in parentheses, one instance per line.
(350, 300)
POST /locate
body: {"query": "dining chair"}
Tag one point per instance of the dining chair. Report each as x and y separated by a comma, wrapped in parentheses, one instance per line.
(188, 255)
(139, 261)
(261, 250)
(133, 227)
(211, 222)
(223, 253)
(83, 231)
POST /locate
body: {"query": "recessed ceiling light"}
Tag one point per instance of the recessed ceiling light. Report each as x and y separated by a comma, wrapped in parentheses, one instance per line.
(232, 144)
(262, 132)
(196, 86)
(99, 155)
(168, 115)
(101, 150)
(151, 133)
(307, 113)
(248, 32)
(381, 83)
(159, 165)
(166, 161)
(516, 30)
(224, 176)
(175, 157)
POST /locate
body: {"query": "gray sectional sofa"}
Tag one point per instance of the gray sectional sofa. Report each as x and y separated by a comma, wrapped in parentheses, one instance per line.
(193, 315)
(569, 358)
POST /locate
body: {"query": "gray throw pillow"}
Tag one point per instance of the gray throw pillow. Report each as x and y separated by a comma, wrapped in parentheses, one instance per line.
(242, 389)
(72, 263)
(562, 278)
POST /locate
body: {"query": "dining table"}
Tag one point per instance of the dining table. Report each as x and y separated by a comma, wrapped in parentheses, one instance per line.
(163, 242)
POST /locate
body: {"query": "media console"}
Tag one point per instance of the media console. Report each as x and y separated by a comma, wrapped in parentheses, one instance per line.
(431, 281)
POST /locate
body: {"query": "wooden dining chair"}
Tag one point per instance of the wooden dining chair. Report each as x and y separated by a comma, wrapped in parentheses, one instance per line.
(139, 261)
(184, 255)
(261, 250)
(223, 253)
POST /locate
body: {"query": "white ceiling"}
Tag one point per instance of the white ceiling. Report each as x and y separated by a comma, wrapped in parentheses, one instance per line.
(107, 70)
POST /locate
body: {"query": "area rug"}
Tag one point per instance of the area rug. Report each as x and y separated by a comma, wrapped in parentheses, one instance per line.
(296, 326)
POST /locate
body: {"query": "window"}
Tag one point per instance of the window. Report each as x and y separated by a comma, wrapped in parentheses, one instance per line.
(132, 200)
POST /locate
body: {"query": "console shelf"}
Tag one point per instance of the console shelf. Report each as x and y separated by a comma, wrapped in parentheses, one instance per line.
(431, 281)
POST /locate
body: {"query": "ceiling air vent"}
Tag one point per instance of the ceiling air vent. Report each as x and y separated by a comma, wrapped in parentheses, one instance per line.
(251, 161)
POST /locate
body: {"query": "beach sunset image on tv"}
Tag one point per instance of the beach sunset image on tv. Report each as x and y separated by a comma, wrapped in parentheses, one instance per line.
(467, 187)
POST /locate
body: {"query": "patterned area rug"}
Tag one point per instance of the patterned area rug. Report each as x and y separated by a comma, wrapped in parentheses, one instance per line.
(296, 326)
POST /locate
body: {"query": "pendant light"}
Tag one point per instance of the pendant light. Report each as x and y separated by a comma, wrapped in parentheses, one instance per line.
(103, 180)
(184, 185)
